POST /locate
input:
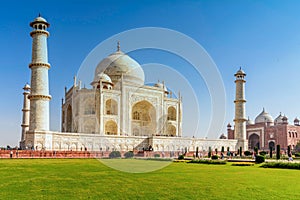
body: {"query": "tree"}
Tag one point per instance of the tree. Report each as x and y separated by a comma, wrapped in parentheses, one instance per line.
(271, 152)
(278, 152)
(197, 152)
(209, 152)
(222, 149)
(241, 151)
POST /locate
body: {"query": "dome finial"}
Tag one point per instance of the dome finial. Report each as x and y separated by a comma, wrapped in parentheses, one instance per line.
(118, 46)
(39, 14)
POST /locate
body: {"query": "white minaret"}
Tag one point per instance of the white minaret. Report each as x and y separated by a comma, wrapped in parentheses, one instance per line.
(39, 96)
(240, 111)
(25, 118)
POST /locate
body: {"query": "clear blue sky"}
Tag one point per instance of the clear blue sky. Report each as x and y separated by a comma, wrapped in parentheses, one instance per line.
(261, 36)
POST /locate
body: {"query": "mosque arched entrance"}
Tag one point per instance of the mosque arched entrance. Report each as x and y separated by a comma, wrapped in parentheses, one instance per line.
(254, 141)
(272, 145)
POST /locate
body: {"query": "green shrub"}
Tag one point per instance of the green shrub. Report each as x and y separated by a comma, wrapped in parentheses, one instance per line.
(129, 154)
(156, 155)
(259, 159)
(247, 153)
(181, 157)
(213, 162)
(209, 152)
(115, 154)
(297, 154)
(241, 151)
(215, 157)
(262, 153)
(242, 164)
(222, 149)
(282, 165)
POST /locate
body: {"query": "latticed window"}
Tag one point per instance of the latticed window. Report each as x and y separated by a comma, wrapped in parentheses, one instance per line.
(136, 115)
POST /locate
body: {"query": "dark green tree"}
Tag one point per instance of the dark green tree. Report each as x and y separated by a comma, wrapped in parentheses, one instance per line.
(278, 152)
(271, 152)
(209, 152)
(222, 149)
(197, 152)
(256, 150)
(241, 151)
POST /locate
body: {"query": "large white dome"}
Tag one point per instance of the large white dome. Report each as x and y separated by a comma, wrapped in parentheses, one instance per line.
(264, 117)
(119, 64)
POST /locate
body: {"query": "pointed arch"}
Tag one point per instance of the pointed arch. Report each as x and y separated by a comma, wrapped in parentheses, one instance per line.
(111, 128)
(172, 113)
(111, 107)
(143, 115)
(171, 130)
(69, 119)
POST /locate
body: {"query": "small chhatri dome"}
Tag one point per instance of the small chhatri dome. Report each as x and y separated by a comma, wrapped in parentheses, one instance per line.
(39, 19)
(284, 118)
(264, 117)
(296, 120)
(240, 72)
(118, 65)
(104, 78)
(26, 87)
(159, 85)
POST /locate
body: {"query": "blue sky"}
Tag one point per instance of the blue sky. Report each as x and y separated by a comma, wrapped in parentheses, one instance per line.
(261, 36)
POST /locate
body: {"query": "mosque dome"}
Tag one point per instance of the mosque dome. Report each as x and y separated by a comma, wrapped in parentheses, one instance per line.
(278, 119)
(249, 121)
(119, 64)
(264, 117)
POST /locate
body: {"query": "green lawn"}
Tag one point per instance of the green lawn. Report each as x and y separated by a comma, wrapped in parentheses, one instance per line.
(90, 179)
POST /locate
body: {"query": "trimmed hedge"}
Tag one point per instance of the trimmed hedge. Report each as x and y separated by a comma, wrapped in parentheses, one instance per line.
(259, 159)
(247, 153)
(282, 165)
(215, 157)
(242, 164)
(115, 154)
(213, 162)
(129, 154)
(181, 157)
(156, 155)
(263, 153)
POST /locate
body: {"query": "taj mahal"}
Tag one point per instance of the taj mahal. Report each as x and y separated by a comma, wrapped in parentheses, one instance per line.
(119, 112)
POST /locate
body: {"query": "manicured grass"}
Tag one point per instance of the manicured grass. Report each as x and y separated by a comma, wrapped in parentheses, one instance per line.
(90, 179)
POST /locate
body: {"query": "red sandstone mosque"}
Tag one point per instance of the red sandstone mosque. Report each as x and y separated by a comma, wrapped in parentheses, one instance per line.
(265, 132)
